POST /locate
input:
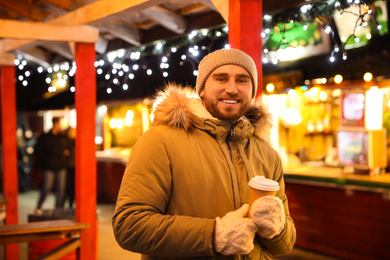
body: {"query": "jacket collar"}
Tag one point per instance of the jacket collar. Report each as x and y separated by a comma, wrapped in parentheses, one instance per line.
(181, 107)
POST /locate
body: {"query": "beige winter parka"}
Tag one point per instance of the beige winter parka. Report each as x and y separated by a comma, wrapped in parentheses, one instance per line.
(189, 169)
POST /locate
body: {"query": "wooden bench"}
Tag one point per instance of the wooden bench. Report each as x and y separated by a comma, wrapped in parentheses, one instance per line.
(45, 230)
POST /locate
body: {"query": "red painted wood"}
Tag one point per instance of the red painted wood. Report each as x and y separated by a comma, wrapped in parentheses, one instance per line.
(9, 151)
(85, 103)
(350, 225)
(245, 27)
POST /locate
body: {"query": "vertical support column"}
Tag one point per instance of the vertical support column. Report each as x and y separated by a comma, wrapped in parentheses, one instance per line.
(9, 150)
(85, 103)
(245, 27)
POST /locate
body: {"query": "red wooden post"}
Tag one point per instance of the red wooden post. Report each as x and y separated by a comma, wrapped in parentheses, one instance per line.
(9, 151)
(245, 27)
(85, 103)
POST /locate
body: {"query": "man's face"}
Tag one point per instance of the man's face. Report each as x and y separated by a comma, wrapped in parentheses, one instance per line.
(227, 92)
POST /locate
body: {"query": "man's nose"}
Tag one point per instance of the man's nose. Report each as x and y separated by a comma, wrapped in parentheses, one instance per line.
(232, 87)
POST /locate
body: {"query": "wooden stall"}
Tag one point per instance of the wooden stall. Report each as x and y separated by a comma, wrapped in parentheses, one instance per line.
(340, 214)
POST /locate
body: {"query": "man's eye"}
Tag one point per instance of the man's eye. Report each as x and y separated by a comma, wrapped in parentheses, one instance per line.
(220, 79)
(243, 80)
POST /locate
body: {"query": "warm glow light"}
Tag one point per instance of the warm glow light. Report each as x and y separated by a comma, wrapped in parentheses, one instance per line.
(374, 108)
(291, 117)
(338, 79)
(292, 93)
(316, 81)
(113, 123)
(98, 140)
(360, 98)
(314, 91)
(270, 87)
(367, 77)
(323, 95)
(119, 123)
(129, 118)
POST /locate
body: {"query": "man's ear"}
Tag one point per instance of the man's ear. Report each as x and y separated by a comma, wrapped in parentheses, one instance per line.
(201, 94)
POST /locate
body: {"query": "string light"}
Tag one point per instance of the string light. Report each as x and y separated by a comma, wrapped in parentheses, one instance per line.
(338, 79)
(367, 76)
(117, 62)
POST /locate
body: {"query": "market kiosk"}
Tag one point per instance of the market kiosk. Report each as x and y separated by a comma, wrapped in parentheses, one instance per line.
(361, 139)
(343, 209)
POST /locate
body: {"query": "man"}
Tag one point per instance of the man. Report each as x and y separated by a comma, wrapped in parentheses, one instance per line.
(185, 187)
(51, 151)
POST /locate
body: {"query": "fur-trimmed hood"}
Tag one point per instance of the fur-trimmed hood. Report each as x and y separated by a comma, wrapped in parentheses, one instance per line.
(178, 107)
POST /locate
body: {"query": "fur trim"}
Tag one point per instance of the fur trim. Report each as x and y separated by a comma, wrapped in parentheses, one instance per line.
(261, 118)
(172, 107)
(177, 106)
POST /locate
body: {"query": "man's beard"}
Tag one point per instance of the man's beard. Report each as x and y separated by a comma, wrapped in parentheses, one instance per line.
(226, 114)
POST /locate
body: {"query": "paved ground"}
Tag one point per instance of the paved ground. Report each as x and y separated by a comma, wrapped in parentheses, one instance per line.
(108, 248)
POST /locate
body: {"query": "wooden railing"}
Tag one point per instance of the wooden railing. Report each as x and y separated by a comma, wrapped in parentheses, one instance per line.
(45, 230)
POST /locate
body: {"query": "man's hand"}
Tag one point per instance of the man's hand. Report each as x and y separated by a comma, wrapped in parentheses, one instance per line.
(234, 233)
(268, 214)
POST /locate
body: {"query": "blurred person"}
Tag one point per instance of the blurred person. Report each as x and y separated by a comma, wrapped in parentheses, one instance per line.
(24, 159)
(185, 191)
(51, 152)
(70, 167)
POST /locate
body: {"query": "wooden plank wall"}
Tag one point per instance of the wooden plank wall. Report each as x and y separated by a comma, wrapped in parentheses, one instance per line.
(350, 224)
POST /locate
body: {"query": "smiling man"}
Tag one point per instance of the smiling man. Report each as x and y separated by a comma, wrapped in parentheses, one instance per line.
(185, 191)
(228, 94)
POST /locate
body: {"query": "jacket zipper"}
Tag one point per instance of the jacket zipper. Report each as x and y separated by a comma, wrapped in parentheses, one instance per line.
(232, 133)
(236, 191)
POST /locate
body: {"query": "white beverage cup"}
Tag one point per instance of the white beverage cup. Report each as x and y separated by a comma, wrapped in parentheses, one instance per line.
(260, 186)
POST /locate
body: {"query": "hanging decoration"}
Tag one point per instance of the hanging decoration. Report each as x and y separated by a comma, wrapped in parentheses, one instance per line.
(288, 29)
(323, 15)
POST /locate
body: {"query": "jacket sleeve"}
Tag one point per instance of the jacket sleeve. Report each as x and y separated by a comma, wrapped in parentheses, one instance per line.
(140, 223)
(284, 242)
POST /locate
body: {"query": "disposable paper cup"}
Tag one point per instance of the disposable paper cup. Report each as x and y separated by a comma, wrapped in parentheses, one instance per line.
(260, 186)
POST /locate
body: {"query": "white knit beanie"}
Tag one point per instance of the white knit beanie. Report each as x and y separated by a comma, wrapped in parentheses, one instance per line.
(224, 57)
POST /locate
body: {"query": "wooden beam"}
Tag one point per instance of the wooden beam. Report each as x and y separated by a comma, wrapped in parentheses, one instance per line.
(7, 59)
(196, 8)
(209, 4)
(72, 47)
(28, 11)
(36, 55)
(87, 14)
(103, 9)
(223, 8)
(7, 45)
(9, 14)
(61, 48)
(47, 32)
(119, 30)
(167, 19)
(67, 5)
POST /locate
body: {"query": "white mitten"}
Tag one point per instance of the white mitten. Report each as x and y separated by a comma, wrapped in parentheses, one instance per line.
(268, 214)
(234, 233)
